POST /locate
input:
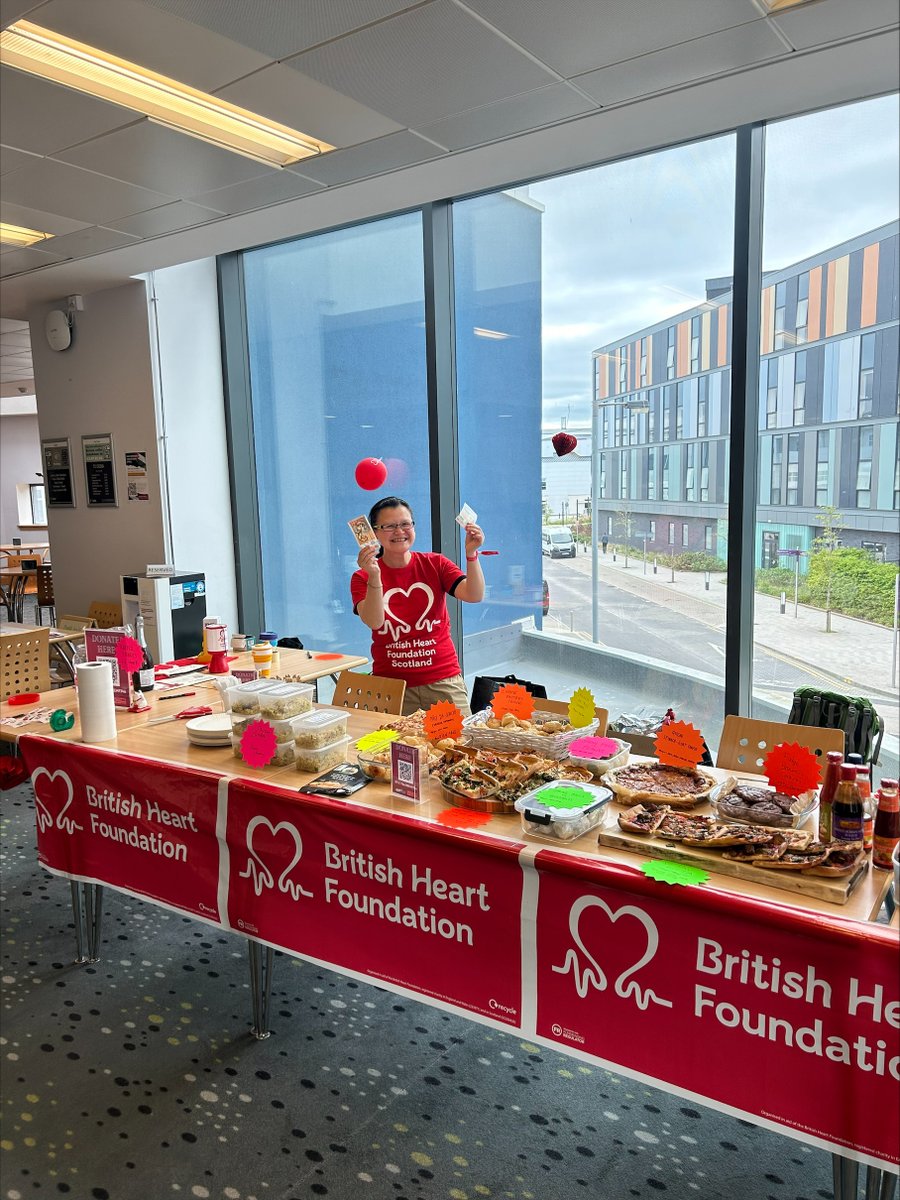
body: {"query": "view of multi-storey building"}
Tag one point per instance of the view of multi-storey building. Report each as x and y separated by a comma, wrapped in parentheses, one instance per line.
(828, 407)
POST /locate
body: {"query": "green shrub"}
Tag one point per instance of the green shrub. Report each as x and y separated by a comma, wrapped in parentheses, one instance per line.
(860, 586)
(698, 560)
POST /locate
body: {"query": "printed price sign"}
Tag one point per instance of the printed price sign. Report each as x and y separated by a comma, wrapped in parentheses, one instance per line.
(679, 745)
(443, 720)
(515, 699)
(792, 769)
(581, 708)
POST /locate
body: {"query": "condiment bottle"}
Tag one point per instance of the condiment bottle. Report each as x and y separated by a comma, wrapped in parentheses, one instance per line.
(887, 824)
(847, 808)
(826, 795)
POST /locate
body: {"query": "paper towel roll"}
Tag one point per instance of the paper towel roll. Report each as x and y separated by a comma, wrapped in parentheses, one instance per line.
(96, 708)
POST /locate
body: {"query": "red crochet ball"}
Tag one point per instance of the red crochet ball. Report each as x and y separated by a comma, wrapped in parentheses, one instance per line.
(370, 473)
(564, 443)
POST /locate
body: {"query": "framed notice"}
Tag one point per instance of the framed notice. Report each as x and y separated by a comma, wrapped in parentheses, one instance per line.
(99, 470)
(57, 458)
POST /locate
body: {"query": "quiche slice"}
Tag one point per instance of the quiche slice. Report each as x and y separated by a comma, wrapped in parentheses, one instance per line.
(675, 826)
(678, 787)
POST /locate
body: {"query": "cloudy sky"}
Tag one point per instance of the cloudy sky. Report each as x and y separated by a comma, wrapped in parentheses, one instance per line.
(629, 244)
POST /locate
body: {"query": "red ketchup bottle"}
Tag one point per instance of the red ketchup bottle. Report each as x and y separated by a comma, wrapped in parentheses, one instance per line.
(887, 824)
(826, 795)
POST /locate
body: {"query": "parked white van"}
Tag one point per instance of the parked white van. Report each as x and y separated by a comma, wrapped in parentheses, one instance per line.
(557, 542)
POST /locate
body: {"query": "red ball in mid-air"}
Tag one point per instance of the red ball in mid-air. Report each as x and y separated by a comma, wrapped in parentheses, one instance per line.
(370, 473)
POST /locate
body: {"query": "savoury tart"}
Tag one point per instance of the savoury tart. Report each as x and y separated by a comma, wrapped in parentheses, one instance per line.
(678, 787)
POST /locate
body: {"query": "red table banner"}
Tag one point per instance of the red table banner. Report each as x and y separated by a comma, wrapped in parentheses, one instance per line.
(785, 1017)
(380, 894)
(145, 827)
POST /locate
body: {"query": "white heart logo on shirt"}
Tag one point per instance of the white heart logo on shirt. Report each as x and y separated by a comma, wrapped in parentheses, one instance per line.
(393, 625)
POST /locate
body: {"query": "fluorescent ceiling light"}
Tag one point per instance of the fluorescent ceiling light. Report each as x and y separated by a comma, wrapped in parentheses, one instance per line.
(75, 65)
(16, 235)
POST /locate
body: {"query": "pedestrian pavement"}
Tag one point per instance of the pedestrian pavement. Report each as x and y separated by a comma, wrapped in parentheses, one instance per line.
(854, 658)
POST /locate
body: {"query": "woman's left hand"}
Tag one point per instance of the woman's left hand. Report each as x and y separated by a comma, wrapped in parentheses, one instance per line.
(474, 538)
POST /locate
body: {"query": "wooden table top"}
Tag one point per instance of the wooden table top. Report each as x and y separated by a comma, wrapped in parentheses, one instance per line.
(169, 743)
(24, 548)
(56, 635)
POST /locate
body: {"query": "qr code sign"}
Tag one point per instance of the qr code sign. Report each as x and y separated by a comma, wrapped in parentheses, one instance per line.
(405, 772)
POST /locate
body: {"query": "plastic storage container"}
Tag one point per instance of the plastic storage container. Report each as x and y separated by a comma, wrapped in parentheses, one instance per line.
(319, 728)
(563, 823)
(583, 753)
(323, 757)
(284, 700)
(244, 698)
(284, 752)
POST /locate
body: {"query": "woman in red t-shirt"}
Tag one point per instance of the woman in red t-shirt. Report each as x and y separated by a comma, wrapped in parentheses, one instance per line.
(400, 596)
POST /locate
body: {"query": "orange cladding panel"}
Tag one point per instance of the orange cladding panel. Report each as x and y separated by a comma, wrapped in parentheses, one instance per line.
(814, 325)
(869, 304)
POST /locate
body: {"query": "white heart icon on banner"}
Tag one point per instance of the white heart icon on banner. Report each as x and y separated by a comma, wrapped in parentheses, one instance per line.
(594, 975)
(258, 870)
(44, 805)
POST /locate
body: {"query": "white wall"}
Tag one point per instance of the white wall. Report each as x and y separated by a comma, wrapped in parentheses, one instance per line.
(193, 447)
(102, 384)
(20, 459)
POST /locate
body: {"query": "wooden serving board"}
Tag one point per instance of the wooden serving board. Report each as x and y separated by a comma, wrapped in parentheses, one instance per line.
(822, 887)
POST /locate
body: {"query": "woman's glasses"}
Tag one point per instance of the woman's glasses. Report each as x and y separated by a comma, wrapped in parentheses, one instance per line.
(403, 526)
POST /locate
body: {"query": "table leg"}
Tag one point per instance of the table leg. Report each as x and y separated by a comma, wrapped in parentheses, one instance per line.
(78, 913)
(87, 907)
(845, 1173)
(880, 1185)
(94, 913)
(262, 960)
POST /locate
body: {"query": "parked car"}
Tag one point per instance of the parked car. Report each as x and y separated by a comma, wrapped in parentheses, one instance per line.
(557, 542)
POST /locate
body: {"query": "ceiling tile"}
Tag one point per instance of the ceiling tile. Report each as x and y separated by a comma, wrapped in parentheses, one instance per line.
(80, 195)
(166, 219)
(42, 117)
(258, 193)
(33, 218)
(699, 59)
(157, 40)
(299, 102)
(282, 27)
(25, 260)
(595, 35)
(372, 158)
(12, 10)
(508, 117)
(830, 20)
(152, 156)
(12, 160)
(93, 240)
(430, 63)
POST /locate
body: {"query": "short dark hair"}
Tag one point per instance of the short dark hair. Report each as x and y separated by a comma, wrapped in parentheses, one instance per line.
(387, 502)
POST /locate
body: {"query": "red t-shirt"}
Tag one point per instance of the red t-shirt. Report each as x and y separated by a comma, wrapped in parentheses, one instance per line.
(414, 641)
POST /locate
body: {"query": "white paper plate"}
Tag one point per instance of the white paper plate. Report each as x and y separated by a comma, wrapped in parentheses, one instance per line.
(211, 730)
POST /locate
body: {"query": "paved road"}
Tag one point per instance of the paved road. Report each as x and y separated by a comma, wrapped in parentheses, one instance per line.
(684, 625)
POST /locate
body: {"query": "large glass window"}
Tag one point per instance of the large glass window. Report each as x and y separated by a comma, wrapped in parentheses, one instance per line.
(837, 250)
(336, 336)
(614, 333)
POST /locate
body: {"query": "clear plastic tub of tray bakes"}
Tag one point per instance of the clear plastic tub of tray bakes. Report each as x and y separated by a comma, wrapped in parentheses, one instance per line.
(284, 700)
(323, 757)
(583, 753)
(570, 818)
(319, 728)
(748, 804)
(284, 730)
(284, 752)
(244, 698)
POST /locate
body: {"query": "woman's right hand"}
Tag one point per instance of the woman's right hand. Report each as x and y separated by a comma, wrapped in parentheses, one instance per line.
(367, 560)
